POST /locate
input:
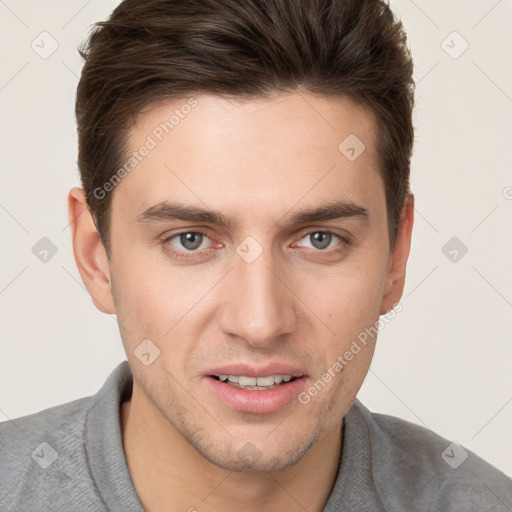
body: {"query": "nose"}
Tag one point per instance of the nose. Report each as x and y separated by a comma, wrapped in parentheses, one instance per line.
(260, 306)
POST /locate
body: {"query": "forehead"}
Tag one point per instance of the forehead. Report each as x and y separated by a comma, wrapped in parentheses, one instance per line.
(250, 156)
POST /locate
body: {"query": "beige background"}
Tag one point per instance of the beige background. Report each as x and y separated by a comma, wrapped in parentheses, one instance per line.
(444, 362)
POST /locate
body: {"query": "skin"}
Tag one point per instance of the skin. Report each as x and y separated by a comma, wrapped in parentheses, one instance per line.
(259, 161)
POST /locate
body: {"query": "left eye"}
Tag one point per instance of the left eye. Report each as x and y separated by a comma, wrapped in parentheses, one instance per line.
(321, 239)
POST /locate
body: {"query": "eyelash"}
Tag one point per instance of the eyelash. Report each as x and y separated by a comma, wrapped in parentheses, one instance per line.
(345, 242)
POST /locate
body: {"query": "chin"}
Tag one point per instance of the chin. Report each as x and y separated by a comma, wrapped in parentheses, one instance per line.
(251, 459)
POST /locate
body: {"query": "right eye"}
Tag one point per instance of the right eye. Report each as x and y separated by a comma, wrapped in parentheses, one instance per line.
(191, 241)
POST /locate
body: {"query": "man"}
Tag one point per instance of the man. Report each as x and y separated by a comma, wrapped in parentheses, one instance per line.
(246, 214)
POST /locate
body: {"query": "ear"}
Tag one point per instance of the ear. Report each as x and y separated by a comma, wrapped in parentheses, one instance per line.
(395, 279)
(90, 255)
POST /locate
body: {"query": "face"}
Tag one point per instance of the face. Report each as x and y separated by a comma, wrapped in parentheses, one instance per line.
(246, 244)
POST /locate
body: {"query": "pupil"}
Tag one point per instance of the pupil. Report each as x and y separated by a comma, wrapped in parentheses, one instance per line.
(191, 240)
(320, 240)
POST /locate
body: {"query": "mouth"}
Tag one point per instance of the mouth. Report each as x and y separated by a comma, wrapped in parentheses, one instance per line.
(261, 394)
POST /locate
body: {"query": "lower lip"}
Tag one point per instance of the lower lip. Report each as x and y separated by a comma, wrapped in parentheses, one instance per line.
(254, 401)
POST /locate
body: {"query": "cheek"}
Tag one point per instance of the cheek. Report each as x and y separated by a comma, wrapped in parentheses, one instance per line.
(146, 298)
(348, 300)
(163, 304)
(350, 306)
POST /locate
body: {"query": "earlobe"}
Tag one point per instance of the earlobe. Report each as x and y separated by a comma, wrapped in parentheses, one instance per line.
(89, 252)
(395, 279)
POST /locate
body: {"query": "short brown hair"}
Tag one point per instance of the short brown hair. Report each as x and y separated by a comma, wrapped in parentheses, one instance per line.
(164, 49)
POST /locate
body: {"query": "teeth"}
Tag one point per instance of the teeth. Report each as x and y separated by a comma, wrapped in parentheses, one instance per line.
(247, 381)
(264, 381)
(244, 381)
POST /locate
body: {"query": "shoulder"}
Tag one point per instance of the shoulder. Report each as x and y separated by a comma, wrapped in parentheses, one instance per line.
(418, 469)
(42, 456)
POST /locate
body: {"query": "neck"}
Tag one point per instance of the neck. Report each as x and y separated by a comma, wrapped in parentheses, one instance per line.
(169, 474)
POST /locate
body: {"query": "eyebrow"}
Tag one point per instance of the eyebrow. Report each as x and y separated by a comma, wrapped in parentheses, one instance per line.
(166, 211)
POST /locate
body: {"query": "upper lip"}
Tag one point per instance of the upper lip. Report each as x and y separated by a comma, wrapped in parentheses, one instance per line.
(252, 370)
